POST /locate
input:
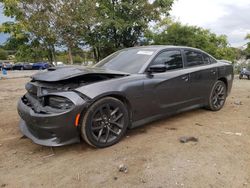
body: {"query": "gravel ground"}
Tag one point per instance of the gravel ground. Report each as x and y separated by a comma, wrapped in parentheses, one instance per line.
(150, 156)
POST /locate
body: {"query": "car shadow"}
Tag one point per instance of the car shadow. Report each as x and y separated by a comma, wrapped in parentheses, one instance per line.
(163, 122)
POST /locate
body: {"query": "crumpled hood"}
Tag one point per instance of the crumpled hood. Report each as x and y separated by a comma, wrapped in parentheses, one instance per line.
(64, 73)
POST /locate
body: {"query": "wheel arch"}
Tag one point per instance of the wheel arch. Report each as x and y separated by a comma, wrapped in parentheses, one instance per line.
(223, 79)
(118, 96)
(125, 101)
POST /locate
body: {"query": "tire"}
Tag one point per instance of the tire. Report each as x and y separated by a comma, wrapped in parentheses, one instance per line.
(248, 77)
(217, 97)
(240, 76)
(105, 122)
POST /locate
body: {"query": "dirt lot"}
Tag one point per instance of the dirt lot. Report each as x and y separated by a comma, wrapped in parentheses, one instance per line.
(153, 154)
(18, 74)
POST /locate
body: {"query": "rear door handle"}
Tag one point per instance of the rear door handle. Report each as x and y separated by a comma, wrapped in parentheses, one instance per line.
(185, 78)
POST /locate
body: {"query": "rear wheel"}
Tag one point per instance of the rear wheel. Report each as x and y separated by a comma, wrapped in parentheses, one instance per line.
(105, 122)
(240, 76)
(217, 96)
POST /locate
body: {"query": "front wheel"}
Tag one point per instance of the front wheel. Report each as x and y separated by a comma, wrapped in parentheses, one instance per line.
(240, 76)
(105, 122)
(217, 96)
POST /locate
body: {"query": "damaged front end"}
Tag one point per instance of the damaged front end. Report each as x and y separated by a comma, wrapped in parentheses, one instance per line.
(47, 98)
(50, 119)
(51, 108)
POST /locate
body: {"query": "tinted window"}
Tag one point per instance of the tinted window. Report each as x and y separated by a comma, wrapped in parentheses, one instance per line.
(212, 60)
(206, 59)
(127, 60)
(172, 59)
(193, 58)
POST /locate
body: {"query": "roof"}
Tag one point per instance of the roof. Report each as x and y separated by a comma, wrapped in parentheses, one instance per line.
(160, 47)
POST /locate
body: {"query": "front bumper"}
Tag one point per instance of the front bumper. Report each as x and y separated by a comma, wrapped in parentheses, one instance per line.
(52, 129)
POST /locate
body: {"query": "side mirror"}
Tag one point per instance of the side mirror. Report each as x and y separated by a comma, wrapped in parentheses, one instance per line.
(157, 68)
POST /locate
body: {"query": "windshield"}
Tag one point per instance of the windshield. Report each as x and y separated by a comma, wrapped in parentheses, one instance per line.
(128, 60)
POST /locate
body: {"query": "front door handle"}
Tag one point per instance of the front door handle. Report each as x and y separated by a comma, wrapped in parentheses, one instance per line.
(185, 78)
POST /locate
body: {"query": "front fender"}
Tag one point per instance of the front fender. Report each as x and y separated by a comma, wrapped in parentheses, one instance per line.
(129, 87)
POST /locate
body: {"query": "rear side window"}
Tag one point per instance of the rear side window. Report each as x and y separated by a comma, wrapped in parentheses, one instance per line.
(212, 60)
(172, 59)
(206, 59)
(193, 58)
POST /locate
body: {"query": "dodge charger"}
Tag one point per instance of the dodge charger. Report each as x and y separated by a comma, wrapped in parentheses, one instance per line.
(127, 89)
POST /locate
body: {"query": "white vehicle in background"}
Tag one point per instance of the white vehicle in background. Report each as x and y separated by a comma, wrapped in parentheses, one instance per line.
(88, 63)
(58, 63)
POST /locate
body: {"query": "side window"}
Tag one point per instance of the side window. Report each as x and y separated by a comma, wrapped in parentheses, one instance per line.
(206, 59)
(172, 59)
(193, 58)
(212, 60)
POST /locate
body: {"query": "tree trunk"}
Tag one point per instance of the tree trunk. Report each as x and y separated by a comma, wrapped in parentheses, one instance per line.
(70, 56)
(49, 55)
(53, 54)
(99, 54)
(95, 55)
(114, 28)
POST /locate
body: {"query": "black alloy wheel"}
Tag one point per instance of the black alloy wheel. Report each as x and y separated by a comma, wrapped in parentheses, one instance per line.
(105, 122)
(217, 96)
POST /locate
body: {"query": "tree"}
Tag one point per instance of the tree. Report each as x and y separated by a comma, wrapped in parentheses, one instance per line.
(121, 24)
(73, 19)
(22, 45)
(247, 50)
(105, 26)
(50, 22)
(3, 54)
(247, 36)
(177, 34)
(21, 39)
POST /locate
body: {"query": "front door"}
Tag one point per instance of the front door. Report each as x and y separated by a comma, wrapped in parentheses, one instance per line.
(169, 90)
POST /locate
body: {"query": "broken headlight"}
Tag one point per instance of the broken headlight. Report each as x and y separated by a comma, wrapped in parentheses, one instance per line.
(58, 102)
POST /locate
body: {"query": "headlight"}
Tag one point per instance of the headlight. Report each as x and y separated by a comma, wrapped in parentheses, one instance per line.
(58, 102)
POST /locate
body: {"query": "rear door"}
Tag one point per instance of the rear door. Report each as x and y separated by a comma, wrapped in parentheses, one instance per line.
(202, 74)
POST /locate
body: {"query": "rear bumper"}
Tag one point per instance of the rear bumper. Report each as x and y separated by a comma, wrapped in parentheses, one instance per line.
(53, 129)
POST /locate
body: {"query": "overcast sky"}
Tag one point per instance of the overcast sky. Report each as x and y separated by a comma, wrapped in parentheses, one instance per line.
(229, 17)
(3, 37)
